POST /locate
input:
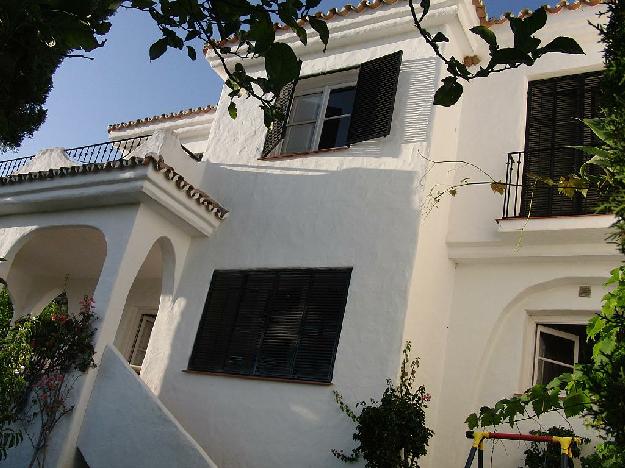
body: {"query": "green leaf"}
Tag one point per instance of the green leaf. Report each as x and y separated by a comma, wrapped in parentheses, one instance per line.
(598, 128)
(486, 34)
(472, 421)
(425, 5)
(535, 21)
(562, 44)
(321, 27)
(440, 37)
(232, 110)
(191, 53)
(449, 93)
(158, 48)
(281, 64)
(575, 404)
(301, 33)
(510, 56)
(262, 33)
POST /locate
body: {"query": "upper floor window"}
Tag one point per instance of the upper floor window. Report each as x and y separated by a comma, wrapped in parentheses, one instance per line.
(555, 108)
(336, 109)
(320, 119)
(272, 323)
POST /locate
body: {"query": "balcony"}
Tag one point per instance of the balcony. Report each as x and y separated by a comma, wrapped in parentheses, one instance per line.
(527, 196)
(91, 154)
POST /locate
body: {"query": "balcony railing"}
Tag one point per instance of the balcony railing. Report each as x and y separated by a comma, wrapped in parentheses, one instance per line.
(98, 153)
(526, 193)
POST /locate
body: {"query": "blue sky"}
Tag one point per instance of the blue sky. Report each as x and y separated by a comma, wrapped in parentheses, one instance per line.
(121, 84)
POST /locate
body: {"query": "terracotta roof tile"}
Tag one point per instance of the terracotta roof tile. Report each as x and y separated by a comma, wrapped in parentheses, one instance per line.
(162, 117)
(480, 8)
(156, 161)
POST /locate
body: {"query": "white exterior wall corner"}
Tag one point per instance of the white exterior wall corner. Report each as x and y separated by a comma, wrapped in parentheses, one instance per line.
(359, 207)
(505, 278)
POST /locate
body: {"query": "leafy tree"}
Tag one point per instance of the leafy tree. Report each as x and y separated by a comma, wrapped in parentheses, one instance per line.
(35, 37)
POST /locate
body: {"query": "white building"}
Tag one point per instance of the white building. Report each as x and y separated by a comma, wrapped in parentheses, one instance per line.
(247, 285)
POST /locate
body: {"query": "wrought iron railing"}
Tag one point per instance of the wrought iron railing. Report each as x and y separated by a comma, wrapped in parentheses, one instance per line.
(527, 192)
(98, 153)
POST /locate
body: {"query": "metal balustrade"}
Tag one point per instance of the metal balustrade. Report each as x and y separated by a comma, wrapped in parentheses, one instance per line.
(527, 193)
(97, 153)
(90, 154)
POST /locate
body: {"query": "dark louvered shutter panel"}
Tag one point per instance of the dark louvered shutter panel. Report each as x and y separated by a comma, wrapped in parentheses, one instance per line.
(220, 311)
(375, 98)
(554, 108)
(322, 325)
(275, 134)
(249, 324)
(284, 320)
(272, 323)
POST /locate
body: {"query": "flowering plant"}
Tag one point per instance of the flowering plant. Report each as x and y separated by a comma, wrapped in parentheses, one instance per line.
(391, 432)
(40, 360)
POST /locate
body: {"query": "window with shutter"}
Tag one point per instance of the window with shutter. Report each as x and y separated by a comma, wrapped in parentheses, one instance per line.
(337, 109)
(554, 109)
(272, 323)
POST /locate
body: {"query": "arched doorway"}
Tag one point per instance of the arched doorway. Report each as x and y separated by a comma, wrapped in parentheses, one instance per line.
(149, 293)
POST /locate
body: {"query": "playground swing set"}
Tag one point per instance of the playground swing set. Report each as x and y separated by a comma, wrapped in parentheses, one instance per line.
(566, 444)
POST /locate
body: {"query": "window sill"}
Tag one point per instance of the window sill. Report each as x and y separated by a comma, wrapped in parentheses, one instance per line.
(556, 223)
(256, 377)
(279, 157)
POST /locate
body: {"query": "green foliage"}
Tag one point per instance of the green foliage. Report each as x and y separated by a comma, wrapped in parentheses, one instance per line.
(541, 455)
(37, 356)
(35, 37)
(595, 390)
(392, 432)
(6, 310)
(526, 50)
(250, 27)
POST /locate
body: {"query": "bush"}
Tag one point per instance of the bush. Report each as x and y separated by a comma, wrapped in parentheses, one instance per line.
(392, 432)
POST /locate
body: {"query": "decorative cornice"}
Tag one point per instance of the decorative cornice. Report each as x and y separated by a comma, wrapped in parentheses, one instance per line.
(345, 10)
(155, 161)
(364, 5)
(162, 117)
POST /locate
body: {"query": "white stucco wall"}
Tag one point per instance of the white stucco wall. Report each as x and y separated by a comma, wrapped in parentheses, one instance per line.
(359, 207)
(125, 425)
(458, 285)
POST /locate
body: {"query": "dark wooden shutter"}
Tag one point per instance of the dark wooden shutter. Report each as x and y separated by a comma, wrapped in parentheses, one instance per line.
(375, 98)
(554, 107)
(276, 133)
(272, 323)
(220, 311)
(321, 328)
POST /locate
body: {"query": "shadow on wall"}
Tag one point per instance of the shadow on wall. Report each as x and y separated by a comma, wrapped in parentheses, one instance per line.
(285, 217)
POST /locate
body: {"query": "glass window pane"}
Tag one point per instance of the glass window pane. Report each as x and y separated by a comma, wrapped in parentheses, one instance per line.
(547, 371)
(299, 138)
(306, 108)
(557, 348)
(340, 102)
(334, 133)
